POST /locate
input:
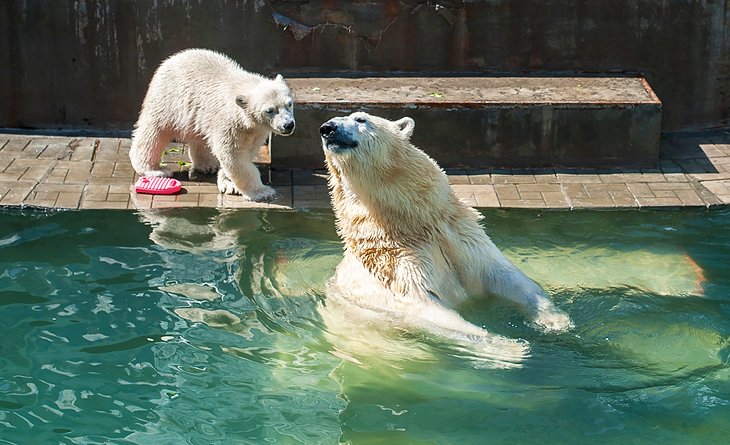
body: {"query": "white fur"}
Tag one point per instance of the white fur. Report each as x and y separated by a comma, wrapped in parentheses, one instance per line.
(412, 249)
(223, 112)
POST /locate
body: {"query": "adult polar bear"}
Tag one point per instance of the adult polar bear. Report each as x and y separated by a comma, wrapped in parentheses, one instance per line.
(223, 112)
(412, 249)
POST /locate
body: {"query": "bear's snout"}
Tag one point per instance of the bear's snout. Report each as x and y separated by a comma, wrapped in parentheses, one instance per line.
(327, 129)
(288, 127)
(336, 137)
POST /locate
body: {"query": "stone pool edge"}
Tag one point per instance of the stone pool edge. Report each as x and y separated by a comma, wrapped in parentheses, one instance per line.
(41, 170)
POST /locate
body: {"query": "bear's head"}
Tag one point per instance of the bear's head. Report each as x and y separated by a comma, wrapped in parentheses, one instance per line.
(362, 140)
(372, 160)
(270, 104)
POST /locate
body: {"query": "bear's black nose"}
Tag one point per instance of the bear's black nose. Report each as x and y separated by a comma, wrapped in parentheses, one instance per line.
(289, 126)
(327, 129)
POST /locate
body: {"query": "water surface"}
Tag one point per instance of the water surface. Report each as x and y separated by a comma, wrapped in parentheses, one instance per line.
(203, 327)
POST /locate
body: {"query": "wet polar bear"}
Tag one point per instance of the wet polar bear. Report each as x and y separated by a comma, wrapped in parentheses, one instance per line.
(223, 112)
(413, 250)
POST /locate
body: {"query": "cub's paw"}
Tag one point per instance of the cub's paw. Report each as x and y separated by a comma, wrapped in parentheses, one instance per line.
(265, 194)
(226, 186)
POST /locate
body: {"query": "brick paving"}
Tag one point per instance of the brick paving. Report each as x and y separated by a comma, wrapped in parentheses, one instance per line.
(38, 170)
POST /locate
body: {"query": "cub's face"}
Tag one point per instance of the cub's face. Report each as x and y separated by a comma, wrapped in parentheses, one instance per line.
(272, 105)
(362, 137)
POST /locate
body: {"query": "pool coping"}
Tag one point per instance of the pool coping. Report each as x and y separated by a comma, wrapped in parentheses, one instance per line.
(48, 170)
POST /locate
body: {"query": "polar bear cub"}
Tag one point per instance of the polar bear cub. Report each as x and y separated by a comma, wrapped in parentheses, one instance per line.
(412, 248)
(223, 112)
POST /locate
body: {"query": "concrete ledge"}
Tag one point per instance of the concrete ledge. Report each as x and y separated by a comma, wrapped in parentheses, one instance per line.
(491, 122)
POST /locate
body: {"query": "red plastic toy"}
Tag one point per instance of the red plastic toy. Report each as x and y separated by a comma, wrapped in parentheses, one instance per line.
(157, 186)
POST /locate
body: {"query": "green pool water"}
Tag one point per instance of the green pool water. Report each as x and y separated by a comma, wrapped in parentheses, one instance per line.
(205, 327)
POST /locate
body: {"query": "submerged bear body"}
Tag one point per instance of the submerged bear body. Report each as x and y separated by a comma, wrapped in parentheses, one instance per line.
(412, 248)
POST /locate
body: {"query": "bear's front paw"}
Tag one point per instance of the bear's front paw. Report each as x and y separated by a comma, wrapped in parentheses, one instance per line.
(553, 321)
(265, 194)
(499, 352)
(227, 187)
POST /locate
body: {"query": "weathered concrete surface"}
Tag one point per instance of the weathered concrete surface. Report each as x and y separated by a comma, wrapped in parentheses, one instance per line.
(87, 63)
(472, 92)
(487, 122)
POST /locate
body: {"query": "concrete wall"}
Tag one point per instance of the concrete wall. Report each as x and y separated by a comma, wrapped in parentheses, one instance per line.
(86, 63)
(495, 137)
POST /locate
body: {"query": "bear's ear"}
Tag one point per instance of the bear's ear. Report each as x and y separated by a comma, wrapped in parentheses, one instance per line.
(406, 126)
(241, 100)
(279, 78)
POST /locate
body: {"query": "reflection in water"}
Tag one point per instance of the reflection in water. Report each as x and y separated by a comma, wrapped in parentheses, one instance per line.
(216, 327)
(193, 291)
(273, 328)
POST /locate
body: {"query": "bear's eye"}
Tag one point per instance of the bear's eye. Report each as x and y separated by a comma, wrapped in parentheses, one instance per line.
(360, 120)
(289, 104)
(270, 110)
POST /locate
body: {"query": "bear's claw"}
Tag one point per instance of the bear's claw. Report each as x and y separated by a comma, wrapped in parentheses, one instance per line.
(267, 194)
(264, 194)
(226, 187)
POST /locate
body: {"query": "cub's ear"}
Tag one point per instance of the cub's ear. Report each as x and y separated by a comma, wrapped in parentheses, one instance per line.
(279, 78)
(406, 126)
(241, 100)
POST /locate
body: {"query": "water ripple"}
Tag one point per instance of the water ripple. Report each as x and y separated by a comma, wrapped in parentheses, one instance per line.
(199, 326)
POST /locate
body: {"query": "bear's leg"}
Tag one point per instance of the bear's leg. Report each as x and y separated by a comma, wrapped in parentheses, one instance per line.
(148, 143)
(241, 177)
(202, 158)
(492, 350)
(509, 283)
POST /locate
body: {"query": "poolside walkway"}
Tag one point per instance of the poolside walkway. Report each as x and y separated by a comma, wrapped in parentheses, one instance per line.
(40, 170)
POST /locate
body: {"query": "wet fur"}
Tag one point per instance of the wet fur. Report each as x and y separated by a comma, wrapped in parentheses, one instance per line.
(412, 248)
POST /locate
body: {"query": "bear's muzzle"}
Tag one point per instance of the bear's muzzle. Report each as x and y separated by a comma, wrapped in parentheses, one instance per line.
(335, 138)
